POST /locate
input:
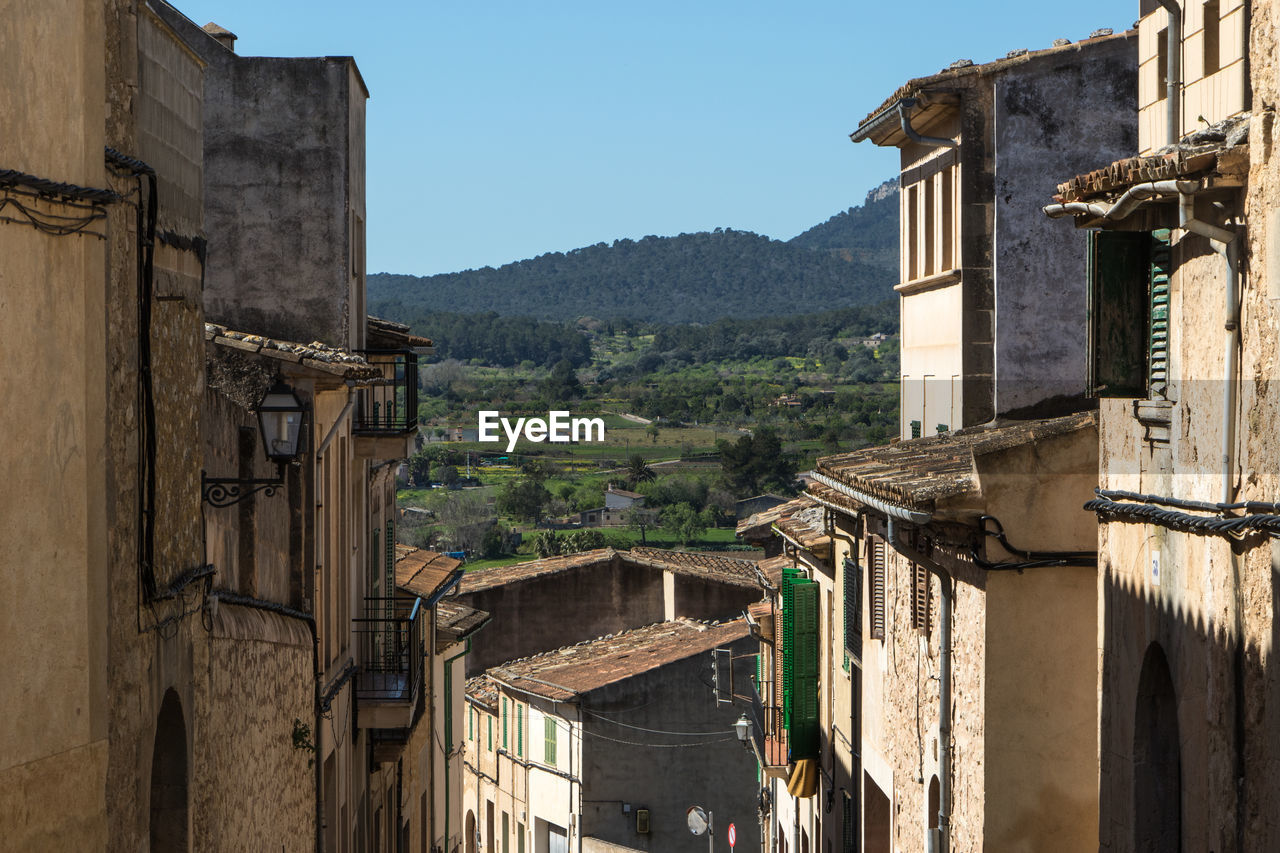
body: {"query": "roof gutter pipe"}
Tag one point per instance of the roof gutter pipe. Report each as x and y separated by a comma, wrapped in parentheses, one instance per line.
(893, 511)
(1173, 83)
(904, 106)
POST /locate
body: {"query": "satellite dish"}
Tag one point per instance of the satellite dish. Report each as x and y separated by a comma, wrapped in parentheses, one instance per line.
(697, 820)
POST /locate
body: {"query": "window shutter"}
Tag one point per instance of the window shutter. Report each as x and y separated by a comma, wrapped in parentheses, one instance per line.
(549, 740)
(848, 841)
(915, 429)
(1158, 331)
(390, 564)
(920, 598)
(875, 549)
(504, 722)
(789, 576)
(519, 730)
(802, 732)
(1118, 269)
(853, 608)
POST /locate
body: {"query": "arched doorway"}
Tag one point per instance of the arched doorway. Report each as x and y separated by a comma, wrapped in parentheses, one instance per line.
(471, 831)
(1157, 760)
(169, 778)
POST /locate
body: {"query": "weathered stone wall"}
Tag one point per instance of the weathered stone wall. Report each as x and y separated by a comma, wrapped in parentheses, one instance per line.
(718, 774)
(528, 617)
(53, 511)
(1056, 116)
(252, 788)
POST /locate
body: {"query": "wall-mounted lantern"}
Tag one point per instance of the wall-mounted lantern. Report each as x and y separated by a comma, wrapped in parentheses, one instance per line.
(280, 418)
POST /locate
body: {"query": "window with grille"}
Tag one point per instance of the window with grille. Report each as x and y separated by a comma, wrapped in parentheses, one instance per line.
(875, 567)
(920, 598)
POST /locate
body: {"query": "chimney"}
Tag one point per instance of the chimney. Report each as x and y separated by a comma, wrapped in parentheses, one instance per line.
(223, 36)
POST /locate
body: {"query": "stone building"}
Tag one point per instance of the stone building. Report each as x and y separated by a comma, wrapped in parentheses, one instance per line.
(560, 746)
(609, 590)
(1184, 280)
(992, 306)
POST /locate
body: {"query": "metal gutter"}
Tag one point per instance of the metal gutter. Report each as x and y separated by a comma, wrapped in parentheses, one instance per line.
(1173, 82)
(901, 513)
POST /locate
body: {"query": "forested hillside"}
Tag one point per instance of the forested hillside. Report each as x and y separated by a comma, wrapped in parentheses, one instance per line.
(848, 261)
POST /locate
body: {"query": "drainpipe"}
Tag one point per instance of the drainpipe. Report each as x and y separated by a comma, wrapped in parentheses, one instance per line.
(944, 683)
(1173, 51)
(904, 107)
(1223, 241)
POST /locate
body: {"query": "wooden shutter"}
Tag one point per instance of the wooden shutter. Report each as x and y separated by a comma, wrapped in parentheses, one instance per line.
(504, 722)
(853, 608)
(920, 598)
(1118, 271)
(549, 740)
(915, 429)
(789, 577)
(802, 732)
(390, 565)
(519, 730)
(1158, 328)
(875, 560)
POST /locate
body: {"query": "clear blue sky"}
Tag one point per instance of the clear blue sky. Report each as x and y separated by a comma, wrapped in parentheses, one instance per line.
(502, 130)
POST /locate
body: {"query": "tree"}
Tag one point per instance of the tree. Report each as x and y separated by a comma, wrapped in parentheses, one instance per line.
(654, 431)
(685, 523)
(638, 471)
(523, 499)
(756, 463)
(642, 519)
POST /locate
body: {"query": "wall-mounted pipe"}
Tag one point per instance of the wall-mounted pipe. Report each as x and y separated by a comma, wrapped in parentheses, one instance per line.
(904, 107)
(1126, 204)
(913, 516)
(1173, 74)
(1224, 242)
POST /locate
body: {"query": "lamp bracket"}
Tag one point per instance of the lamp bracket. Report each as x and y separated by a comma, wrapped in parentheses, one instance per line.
(226, 491)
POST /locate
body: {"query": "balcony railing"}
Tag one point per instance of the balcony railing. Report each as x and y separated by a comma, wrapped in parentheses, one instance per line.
(390, 638)
(391, 408)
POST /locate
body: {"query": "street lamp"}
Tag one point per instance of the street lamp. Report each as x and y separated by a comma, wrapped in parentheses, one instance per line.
(743, 729)
(280, 418)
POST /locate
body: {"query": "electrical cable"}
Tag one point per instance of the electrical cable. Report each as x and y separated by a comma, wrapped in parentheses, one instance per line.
(661, 745)
(658, 731)
(1235, 527)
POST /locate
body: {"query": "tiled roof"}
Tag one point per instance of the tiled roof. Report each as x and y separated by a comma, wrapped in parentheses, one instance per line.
(456, 621)
(623, 493)
(1219, 149)
(565, 673)
(724, 569)
(483, 579)
(423, 573)
(964, 68)
(765, 518)
(917, 472)
(392, 335)
(315, 355)
(484, 690)
(772, 567)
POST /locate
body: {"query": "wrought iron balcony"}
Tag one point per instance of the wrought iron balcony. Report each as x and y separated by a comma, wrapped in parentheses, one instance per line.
(390, 637)
(390, 409)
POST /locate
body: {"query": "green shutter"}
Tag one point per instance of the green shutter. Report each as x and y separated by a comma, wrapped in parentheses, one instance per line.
(1158, 330)
(390, 564)
(1118, 272)
(519, 730)
(376, 592)
(549, 740)
(490, 719)
(853, 608)
(915, 429)
(802, 732)
(504, 722)
(789, 577)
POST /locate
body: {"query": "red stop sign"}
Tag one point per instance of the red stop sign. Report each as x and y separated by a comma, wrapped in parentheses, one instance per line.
(733, 836)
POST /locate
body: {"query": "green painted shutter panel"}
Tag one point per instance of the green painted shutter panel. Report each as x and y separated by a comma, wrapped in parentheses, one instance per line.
(789, 577)
(549, 742)
(915, 429)
(1158, 332)
(390, 565)
(802, 733)
(1118, 270)
(519, 731)
(504, 723)
(853, 608)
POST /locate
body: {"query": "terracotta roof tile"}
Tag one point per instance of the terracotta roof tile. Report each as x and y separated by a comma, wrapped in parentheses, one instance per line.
(456, 621)
(565, 673)
(483, 579)
(483, 690)
(392, 335)
(724, 569)
(917, 472)
(424, 573)
(315, 355)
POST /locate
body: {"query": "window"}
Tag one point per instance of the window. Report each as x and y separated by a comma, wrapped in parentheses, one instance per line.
(504, 722)
(1128, 312)
(920, 598)
(519, 730)
(915, 429)
(1162, 65)
(549, 740)
(875, 563)
(519, 838)
(471, 724)
(848, 841)
(913, 234)
(490, 719)
(1212, 21)
(800, 663)
(506, 833)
